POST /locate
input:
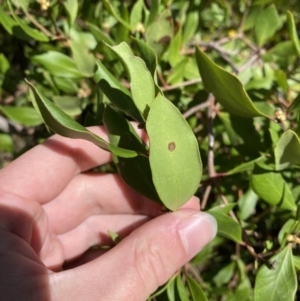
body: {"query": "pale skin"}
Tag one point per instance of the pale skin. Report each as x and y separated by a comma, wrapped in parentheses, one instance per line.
(52, 210)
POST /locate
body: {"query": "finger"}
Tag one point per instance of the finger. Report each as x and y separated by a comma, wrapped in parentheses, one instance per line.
(95, 194)
(142, 262)
(44, 171)
(95, 231)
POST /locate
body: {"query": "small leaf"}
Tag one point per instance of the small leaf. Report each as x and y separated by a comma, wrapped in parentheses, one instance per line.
(100, 35)
(247, 204)
(226, 87)
(171, 289)
(160, 33)
(190, 25)
(23, 115)
(6, 144)
(196, 291)
(32, 32)
(84, 60)
(116, 92)
(287, 150)
(293, 32)
(154, 10)
(135, 171)
(272, 188)
(182, 293)
(277, 282)
(267, 22)
(58, 64)
(112, 11)
(174, 154)
(114, 236)
(141, 82)
(71, 7)
(224, 275)
(247, 166)
(227, 227)
(64, 125)
(136, 14)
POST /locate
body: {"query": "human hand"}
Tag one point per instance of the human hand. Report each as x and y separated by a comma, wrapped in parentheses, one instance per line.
(52, 211)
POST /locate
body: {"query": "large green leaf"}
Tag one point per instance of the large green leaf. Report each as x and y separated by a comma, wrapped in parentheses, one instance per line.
(196, 291)
(135, 171)
(226, 87)
(278, 281)
(287, 150)
(293, 32)
(58, 64)
(116, 92)
(272, 188)
(141, 81)
(174, 154)
(23, 115)
(64, 125)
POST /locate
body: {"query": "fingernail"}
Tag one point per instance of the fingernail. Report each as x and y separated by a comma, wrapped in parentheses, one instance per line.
(196, 231)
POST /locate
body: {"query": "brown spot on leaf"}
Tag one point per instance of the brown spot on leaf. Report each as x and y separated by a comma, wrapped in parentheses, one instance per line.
(171, 146)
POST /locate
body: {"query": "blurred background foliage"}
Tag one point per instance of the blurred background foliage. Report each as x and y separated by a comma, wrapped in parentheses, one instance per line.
(57, 44)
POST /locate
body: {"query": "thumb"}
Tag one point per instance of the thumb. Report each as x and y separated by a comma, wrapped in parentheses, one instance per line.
(144, 260)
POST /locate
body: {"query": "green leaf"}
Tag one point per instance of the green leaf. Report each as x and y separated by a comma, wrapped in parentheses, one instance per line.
(84, 60)
(174, 49)
(147, 54)
(112, 11)
(136, 14)
(69, 104)
(114, 236)
(174, 154)
(224, 275)
(190, 26)
(227, 227)
(267, 22)
(64, 125)
(71, 7)
(278, 282)
(67, 85)
(23, 115)
(247, 204)
(116, 92)
(296, 261)
(182, 293)
(287, 150)
(135, 171)
(295, 105)
(141, 82)
(6, 143)
(196, 291)
(160, 33)
(293, 32)
(247, 166)
(154, 10)
(58, 64)
(32, 32)
(272, 188)
(226, 87)
(4, 64)
(171, 289)
(99, 34)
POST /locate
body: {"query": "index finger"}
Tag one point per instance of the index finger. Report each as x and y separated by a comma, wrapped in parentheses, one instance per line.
(43, 172)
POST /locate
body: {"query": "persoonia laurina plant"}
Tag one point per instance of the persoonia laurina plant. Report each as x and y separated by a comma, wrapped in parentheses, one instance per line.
(169, 170)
